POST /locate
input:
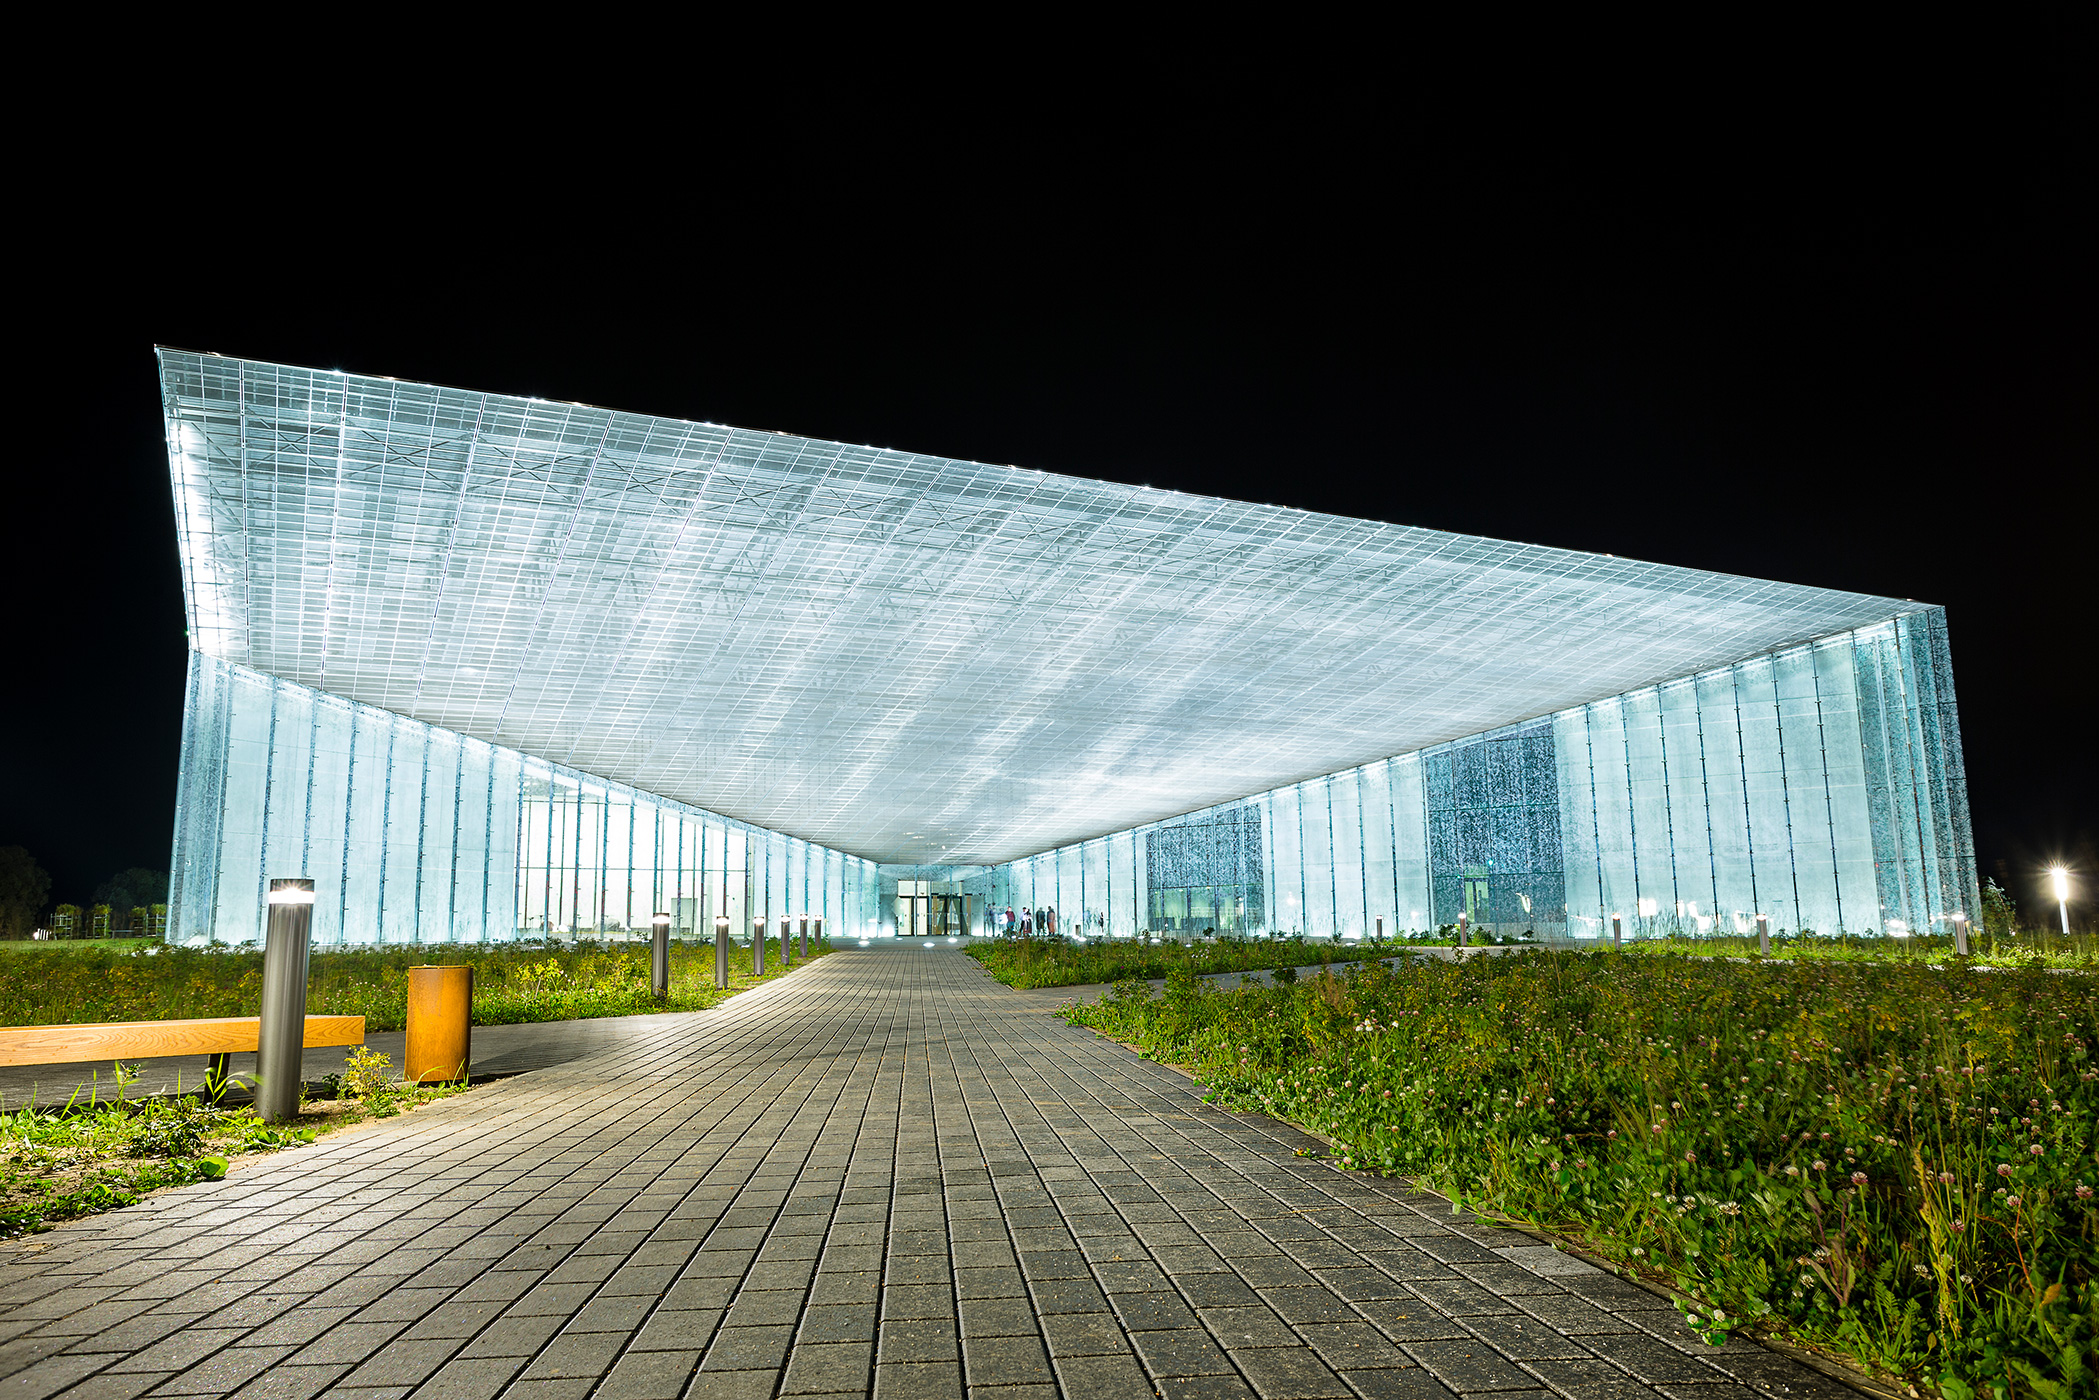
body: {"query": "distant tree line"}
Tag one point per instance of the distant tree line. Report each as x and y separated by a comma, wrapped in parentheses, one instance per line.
(131, 902)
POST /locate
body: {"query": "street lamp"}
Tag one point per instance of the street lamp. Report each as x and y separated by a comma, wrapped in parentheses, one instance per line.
(2061, 879)
(660, 955)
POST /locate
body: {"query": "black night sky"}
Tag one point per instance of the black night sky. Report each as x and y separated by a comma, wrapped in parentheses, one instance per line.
(1814, 326)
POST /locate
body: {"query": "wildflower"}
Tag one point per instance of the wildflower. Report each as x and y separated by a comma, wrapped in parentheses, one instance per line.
(2084, 1192)
(2036, 1149)
(2004, 1169)
(1945, 1178)
(1820, 1165)
(1690, 1157)
(2012, 1201)
(1637, 1250)
(1959, 1226)
(1792, 1171)
(1858, 1178)
(1612, 1135)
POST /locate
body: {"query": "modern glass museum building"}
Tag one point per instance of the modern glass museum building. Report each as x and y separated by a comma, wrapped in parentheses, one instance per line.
(487, 667)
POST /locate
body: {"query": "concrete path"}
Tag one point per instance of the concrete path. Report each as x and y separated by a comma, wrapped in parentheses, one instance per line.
(884, 1174)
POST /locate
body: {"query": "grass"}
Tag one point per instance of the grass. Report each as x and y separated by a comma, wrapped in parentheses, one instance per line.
(2027, 949)
(77, 983)
(1891, 1163)
(80, 1158)
(1058, 962)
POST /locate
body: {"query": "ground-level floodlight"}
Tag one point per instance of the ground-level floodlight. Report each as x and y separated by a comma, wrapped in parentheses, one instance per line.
(281, 1039)
(758, 947)
(721, 952)
(1960, 933)
(2060, 878)
(1763, 934)
(660, 956)
(1617, 933)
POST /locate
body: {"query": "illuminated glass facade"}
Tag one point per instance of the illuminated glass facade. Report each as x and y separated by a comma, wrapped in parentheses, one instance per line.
(485, 666)
(1817, 787)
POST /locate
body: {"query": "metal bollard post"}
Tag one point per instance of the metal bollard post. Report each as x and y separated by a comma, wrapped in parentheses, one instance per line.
(1763, 935)
(1960, 935)
(1461, 928)
(660, 957)
(281, 1040)
(721, 951)
(758, 947)
(819, 930)
(804, 931)
(786, 948)
(1617, 933)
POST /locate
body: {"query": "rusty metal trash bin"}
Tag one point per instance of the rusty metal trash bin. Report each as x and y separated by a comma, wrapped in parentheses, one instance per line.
(440, 1023)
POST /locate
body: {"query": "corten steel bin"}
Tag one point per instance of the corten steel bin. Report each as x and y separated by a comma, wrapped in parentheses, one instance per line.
(440, 1024)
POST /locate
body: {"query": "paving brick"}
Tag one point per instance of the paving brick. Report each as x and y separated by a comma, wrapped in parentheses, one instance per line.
(882, 1173)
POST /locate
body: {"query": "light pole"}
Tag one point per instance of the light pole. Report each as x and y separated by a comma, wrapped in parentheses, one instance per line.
(721, 951)
(281, 1034)
(660, 956)
(2061, 879)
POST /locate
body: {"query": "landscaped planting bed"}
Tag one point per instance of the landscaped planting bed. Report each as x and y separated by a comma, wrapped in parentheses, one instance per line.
(47, 984)
(1061, 962)
(1892, 1163)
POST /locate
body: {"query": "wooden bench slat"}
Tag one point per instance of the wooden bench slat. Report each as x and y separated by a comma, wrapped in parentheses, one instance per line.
(141, 1040)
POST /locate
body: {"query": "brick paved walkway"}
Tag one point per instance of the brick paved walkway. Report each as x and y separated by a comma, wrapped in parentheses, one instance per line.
(885, 1173)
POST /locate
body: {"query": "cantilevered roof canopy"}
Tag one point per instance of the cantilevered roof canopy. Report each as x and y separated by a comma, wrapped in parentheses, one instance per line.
(909, 658)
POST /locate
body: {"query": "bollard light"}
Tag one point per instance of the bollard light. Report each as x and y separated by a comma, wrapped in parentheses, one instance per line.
(1763, 935)
(1617, 933)
(758, 946)
(786, 948)
(2060, 878)
(1960, 933)
(804, 932)
(660, 956)
(281, 1038)
(721, 952)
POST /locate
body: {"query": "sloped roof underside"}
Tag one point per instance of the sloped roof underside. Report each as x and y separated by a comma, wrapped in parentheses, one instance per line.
(909, 658)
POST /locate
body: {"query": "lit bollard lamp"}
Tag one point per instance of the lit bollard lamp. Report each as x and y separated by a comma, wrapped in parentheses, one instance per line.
(281, 1039)
(804, 933)
(1462, 919)
(1960, 935)
(758, 947)
(1617, 933)
(1763, 934)
(786, 946)
(721, 951)
(660, 956)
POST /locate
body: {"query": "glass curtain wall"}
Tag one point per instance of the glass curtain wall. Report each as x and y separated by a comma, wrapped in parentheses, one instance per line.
(415, 834)
(1819, 787)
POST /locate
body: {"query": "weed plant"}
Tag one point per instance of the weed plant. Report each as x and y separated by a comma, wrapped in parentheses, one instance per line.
(59, 984)
(1892, 1163)
(1060, 962)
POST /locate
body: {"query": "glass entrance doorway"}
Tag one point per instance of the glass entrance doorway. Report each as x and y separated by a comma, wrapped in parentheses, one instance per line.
(930, 909)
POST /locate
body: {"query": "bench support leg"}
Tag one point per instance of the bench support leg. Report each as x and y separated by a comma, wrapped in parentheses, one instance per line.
(215, 1078)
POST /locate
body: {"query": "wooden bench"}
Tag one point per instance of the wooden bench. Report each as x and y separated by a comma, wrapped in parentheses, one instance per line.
(220, 1037)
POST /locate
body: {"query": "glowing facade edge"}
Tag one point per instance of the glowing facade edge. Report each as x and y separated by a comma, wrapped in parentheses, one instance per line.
(485, 666)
